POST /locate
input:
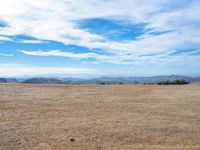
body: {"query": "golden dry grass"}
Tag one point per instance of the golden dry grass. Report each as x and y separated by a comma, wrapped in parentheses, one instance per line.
(110, 117)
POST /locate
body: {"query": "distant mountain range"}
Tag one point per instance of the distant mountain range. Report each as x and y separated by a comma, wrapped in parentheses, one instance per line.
(101, 80)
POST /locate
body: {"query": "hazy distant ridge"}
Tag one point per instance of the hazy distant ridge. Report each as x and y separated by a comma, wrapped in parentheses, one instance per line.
(105, 80)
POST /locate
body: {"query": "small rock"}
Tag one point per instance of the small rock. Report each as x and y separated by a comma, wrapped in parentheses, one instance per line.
(72, 140)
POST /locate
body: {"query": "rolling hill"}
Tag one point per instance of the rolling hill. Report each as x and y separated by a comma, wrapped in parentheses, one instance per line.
(101, 80)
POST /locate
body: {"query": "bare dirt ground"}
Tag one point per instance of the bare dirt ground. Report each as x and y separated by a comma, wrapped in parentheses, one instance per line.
(94, 117)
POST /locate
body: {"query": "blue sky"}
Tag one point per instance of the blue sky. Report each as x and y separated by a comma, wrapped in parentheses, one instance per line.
(99, 38)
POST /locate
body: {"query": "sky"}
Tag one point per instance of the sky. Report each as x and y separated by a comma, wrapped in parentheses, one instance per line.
(82, 38)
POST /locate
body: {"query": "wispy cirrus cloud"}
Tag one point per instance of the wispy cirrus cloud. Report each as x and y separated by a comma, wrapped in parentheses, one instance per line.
(10, 39)
(6, 55)
(132, 32)
(63, 54)
(3, 38)
(167, 58)
(57, 20)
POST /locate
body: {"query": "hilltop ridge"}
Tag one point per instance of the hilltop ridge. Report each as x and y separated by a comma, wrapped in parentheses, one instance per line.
(100, 80)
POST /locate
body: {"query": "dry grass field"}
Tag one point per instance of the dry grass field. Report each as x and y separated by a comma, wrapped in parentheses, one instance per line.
(97, 117)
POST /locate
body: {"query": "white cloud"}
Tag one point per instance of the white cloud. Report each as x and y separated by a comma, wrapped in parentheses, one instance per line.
(4, 38)
(56, 20)
(63, 54)
(185, 58)
(30, 41)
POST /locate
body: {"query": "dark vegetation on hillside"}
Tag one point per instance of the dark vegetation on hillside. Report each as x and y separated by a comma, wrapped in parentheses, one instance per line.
(175, 82)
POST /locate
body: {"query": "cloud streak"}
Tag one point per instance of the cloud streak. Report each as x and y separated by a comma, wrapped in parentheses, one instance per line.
(6, 55)
(161, 58)
(63, 54)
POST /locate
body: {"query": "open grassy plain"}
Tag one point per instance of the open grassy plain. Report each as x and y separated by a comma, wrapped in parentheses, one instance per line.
(97, 117)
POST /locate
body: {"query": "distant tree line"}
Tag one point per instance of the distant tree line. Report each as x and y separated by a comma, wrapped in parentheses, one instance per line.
(175, 82)
(167, 82)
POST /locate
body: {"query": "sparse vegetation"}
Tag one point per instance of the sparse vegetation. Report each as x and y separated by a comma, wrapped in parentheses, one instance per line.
(90, 117)
(175, 82)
